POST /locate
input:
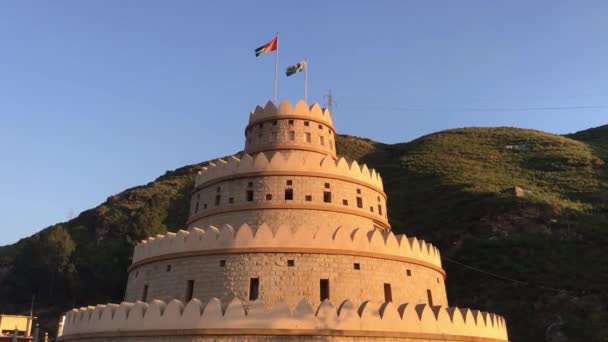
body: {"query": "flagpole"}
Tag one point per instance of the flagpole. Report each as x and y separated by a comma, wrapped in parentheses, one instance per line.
(276, 69)
(305, 80)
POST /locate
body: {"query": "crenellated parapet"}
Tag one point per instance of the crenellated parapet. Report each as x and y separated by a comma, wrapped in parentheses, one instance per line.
(285, 109)
(344, 240)
(236, 318)
(293, 163)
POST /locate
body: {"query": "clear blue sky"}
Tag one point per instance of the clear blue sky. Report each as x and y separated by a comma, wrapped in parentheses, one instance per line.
(99, 96)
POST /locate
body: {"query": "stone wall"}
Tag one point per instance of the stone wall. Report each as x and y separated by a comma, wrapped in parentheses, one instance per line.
(313, 219)
(236, 201)
(290, 133)
(228, 275)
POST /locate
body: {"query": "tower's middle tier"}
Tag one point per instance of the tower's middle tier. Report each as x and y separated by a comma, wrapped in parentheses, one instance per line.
(282, 188)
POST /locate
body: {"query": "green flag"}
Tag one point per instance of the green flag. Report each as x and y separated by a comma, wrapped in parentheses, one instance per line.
(292, 69)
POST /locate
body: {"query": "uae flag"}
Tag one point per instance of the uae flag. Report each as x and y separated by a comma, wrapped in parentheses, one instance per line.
(268, 47)
(292, 69)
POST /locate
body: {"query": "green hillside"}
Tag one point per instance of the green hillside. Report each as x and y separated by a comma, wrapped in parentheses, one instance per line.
(536, 257)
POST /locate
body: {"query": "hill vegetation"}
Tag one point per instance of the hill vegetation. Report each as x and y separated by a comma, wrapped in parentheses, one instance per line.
(534, 253)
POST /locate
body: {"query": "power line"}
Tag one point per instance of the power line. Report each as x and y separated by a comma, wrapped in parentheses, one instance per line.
(464, 109)
(526, 283)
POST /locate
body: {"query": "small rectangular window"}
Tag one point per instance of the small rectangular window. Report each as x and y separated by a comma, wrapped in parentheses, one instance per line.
(290, 122)
(379, 209)
(231, 200)
(429, 294)
(388, 293)
(308, 138)
(269, 197)
(409, 273)
(292, 135)
(218, 189)
(359, 191)
(217, 199)
(189, 291)
(261, 125)
(357, 266)
(306, 123)
(308, 198)
(289, 182)
(371, 209)
(144, 295)
(291, 263)
(345, 202)
(274, 123)
(359, 202)
(322, 140)
(168, 268)
(205, 206)
(327, 185)
(327, 197)
(320, 126)
(222, 263)
(324, 289)
(250, 184)
(249, 195)
(288, 194)
(254, 288)
(196, 207)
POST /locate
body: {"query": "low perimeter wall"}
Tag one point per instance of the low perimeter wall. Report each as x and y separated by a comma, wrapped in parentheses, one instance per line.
(158, 321)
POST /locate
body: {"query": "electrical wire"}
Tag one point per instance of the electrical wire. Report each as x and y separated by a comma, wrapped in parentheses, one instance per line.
(526, 283)
(489, 109)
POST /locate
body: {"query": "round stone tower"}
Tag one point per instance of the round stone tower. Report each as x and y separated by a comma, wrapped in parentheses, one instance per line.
(273, 239)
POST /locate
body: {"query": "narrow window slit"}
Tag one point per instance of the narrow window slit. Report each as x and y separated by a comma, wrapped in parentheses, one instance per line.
(254, 288)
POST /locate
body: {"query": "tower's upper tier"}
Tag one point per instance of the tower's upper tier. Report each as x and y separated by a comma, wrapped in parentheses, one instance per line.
(291, 128)
(289, 173)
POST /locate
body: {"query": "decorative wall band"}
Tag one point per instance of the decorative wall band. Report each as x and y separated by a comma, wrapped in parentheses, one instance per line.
(291, 173)
(290, 117)
(306, 250)
(296, 147)
(424, 337)
(264, 206)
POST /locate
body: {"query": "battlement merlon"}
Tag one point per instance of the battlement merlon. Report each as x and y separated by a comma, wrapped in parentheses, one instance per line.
(279, 162)
(285, 109)
(366, 319)
(341, 239)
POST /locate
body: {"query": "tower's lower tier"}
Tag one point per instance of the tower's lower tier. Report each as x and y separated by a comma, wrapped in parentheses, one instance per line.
(271, 276)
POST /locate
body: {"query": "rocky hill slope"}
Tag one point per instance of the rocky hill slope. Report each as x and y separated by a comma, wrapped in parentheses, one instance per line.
(521, 217)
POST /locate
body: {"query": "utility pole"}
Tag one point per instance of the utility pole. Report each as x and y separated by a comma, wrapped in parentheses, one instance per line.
(329, 101)
(31, 315)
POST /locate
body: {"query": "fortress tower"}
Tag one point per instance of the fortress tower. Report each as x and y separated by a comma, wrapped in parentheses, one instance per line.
(287, 242)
